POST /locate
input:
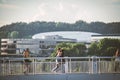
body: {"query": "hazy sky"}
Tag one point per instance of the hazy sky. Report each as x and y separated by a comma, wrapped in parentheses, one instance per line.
(59, 10)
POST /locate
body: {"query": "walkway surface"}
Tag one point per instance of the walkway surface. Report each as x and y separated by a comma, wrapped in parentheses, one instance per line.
(73, 76)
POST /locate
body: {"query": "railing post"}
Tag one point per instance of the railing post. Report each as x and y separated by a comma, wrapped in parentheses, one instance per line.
(66, 64)
(9, 71)
(89, 64)
(99, 66)
(3, 66)
(34, 66)
(94, 64)
(70, 65)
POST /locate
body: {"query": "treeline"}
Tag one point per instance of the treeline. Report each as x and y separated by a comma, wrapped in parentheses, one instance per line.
(105, 47)
(26, 30)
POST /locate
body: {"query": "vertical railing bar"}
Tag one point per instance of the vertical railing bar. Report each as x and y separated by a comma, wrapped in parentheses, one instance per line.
(89, 65)
(70, 65)
(9, 72)
(50, 66)
(61, 65)
(23, 65)
(3, 67)
(99, 65)
(34, 66)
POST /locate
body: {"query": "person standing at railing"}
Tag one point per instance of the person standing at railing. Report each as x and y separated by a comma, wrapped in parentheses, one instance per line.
(26, 54)
(59, 59)
(117, 60)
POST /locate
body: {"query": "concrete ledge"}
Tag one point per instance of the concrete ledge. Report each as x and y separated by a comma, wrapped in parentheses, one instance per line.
(77, 76)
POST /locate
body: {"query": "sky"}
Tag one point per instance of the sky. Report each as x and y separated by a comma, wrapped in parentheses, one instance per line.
(70, 11)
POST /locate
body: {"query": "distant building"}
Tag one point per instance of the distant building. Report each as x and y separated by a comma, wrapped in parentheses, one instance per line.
(37, 46)
(97, 38)
(80, 36)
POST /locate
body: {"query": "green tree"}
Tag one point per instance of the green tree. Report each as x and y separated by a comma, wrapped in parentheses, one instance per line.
(110, 51)
(14, 34)
(106, 44)
(105, 47)
(3, 34)
(93, 50)
(79, 49)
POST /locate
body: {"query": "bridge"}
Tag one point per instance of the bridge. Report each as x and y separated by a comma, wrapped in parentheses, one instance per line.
(74, 68)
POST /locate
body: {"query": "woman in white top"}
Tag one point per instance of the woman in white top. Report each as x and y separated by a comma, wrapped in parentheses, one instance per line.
(58, 59)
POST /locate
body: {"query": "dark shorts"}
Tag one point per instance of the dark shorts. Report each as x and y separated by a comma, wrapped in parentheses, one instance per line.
(60, 60)
(27, 61)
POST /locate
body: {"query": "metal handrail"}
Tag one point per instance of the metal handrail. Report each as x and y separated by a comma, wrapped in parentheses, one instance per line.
(40, 65)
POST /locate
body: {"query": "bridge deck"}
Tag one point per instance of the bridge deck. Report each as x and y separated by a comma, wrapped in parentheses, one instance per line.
(67, 76)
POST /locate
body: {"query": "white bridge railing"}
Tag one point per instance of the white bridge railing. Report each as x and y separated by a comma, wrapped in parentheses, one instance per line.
(44, 65)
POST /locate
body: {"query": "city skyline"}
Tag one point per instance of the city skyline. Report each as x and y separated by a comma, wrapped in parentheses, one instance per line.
(69, 11)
